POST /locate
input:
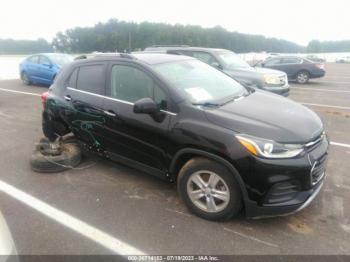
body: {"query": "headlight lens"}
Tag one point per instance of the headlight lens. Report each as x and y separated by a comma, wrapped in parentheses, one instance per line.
(272, 79)
(268, 148)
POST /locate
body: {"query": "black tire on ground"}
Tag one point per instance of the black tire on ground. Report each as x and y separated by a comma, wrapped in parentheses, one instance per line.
(303, 77)
(70, 157)
(25, 79)
(207, 167)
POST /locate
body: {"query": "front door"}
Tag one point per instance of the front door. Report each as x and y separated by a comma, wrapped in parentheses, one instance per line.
(46, 71)
(137, 139)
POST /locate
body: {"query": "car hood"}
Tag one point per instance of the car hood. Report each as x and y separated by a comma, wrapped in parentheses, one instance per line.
(251, 75)
(266, 115)
(258, 71)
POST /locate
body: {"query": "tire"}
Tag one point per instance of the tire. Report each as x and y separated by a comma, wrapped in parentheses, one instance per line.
(69, 157)
(303, 77)
(25, 79)
(230, 202)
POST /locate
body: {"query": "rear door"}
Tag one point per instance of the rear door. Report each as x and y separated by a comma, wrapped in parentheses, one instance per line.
(137, 139)
(83, 110)
(291, 65)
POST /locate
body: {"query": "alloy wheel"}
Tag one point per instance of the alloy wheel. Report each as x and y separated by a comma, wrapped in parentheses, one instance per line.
(208, 191)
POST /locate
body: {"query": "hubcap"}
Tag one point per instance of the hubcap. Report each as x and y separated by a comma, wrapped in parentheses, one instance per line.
(302, 77)
(208, 191)
(25, 78)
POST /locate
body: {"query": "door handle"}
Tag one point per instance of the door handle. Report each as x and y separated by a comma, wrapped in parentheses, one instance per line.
(110, 113)
(67, 98)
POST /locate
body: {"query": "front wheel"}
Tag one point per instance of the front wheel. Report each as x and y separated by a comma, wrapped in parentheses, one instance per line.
(303, 77)
(209, 190)
(25, 79)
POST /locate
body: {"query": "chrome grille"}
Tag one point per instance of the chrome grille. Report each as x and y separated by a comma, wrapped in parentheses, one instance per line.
(318, 170)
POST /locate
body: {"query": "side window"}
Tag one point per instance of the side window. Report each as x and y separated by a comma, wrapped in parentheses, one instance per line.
(272, 62)
(204, 57)
(33, 59)
(44, 60)
(72, 80)
(131, 84)
(291, 60)
(91, 79)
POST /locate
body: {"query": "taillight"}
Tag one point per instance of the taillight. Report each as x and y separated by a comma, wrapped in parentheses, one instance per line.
(320, 66)
(44, 97)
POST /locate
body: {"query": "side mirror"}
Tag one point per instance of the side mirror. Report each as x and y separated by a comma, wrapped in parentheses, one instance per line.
(145, 106)
(216, 65)
(49, 65)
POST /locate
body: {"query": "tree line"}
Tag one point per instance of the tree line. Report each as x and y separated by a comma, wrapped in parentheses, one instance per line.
(129, 36)
(10, 46)
(122, 36)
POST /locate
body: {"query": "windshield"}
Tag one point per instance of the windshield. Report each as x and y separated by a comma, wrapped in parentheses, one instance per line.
(232, 60)
(61, 59)
(200, 82)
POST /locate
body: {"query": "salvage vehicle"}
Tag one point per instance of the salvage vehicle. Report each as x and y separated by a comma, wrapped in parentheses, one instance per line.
(42, 68)
(231, 64)
(297, 68)
(226, 146)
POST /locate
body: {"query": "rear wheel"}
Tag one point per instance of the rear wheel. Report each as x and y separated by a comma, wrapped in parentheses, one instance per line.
(303, 77)
(25, 79)
(209, 190)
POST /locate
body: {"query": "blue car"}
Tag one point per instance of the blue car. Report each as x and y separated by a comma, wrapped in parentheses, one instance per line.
(42, 68)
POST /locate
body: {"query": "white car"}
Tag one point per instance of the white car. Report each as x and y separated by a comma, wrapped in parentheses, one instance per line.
(345, 59)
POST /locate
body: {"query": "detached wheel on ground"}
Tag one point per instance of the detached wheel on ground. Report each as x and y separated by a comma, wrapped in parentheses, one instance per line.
(209, 189)
(25, 79)
(303, 77)
(55, 157)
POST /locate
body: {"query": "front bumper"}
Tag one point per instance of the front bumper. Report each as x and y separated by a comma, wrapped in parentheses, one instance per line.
(255, 211)
(287, 186)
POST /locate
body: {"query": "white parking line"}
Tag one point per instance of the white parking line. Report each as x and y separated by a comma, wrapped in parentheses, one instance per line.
(19, 92)
(340, 144)
(323, 90)
(322, 105)
(333, 82)
(71, 222)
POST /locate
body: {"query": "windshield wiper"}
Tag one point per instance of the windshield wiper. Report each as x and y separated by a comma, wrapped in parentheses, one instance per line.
(207, 104)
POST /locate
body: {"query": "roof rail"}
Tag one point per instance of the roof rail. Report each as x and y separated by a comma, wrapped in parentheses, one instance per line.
(95, 55)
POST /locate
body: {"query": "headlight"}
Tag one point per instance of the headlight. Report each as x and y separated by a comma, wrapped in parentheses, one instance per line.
(268, 148)
(272, 79)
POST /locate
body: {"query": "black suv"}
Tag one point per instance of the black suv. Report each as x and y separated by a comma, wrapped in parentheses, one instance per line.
(227, 146)
(230, 63)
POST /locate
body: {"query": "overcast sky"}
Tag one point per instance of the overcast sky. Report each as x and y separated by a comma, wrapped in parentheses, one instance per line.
(296, 20)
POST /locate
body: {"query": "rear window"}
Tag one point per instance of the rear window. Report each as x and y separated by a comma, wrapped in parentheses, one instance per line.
(91, 79)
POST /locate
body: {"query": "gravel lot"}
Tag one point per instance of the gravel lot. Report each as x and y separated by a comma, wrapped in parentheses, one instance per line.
(145, 213)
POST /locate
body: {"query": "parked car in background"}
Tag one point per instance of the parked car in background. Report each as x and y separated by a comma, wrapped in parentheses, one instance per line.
(345, 59)
(42, 68)
(231, 64)
(297, 68)
(316, 59)
(227, 146)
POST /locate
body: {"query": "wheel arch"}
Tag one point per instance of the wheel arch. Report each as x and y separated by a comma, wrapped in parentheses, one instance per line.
(185, 154)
